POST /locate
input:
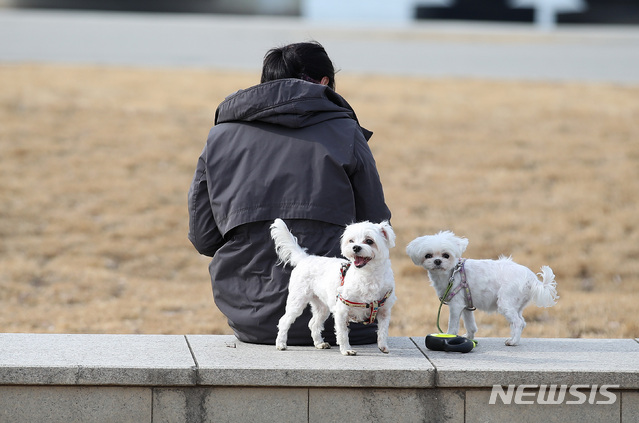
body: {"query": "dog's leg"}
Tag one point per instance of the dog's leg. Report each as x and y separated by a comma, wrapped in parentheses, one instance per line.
(341, 329)
(517, 325)
(454, 314)
(282, 333)
(469, 322)
(316, 325)
(294, 308)
(383, 321)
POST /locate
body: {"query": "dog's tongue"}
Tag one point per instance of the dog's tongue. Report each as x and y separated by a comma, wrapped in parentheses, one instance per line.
(361, 261)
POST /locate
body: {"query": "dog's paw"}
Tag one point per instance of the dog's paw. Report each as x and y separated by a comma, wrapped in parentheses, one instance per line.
(281, 347)
(349, 352)
(510, 342)
(384, 349)
(323, 346)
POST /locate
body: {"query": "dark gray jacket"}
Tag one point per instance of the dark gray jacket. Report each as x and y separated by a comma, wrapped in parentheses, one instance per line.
(289, 149)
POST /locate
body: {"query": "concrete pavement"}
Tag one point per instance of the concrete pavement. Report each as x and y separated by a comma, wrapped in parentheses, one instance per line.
(422, 48)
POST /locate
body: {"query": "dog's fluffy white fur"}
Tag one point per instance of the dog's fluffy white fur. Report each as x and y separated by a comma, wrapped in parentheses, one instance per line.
(316, 280)
(495, 285)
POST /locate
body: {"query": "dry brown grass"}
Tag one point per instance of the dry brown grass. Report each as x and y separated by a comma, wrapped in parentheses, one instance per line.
(95, 164)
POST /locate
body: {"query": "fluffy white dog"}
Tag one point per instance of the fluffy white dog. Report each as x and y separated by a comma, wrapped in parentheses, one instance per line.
(489, 285)
(358, 290)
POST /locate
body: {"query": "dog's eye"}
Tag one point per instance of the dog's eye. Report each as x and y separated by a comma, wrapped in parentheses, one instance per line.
(446, 255)
(370, 242)
(429, 256)
(350, 241)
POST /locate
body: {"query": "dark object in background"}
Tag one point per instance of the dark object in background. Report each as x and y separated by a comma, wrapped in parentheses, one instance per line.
(598, 11)
(160, 6)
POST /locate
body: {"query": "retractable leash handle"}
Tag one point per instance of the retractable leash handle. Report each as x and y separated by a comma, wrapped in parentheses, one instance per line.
(448, 342)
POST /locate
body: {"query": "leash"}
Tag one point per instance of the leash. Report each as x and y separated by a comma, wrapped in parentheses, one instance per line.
(374, 306)
(448, 295)
(443, 297)
(443, 341)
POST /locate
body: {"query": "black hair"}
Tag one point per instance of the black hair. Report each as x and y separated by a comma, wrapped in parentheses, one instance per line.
(308, 61)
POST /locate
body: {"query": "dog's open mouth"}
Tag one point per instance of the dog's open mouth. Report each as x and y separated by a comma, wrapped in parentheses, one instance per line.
(361, 261)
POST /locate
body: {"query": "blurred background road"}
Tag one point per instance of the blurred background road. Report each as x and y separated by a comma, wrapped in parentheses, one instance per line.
(416, 47)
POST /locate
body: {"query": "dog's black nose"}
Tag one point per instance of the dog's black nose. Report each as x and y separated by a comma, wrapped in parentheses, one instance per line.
(437, 262)
(357, 248)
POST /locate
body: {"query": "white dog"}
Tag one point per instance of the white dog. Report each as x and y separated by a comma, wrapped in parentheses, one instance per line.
(491, 285)
(358, 290)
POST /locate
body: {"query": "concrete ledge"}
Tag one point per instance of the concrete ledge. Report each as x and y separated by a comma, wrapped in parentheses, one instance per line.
(202, 378)
(539, 361)
(227, 362)
(130, 360)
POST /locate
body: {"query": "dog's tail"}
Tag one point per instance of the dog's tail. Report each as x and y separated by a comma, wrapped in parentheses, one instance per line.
(286, 246)
(545, 292)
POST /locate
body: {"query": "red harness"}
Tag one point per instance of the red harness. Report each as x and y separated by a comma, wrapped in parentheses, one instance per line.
(374, 306)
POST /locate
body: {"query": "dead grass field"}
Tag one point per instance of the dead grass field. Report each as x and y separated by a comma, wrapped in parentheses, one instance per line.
(95, 165)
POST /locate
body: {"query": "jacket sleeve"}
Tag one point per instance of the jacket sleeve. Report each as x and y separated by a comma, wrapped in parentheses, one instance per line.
(203, 231)
(367, 187)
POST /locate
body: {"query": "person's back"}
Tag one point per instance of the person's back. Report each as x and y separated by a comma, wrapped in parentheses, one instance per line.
(285, 148)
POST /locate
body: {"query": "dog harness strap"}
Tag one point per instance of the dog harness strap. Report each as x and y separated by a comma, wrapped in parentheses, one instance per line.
(342, 272)
(374, 306)
(462, 285)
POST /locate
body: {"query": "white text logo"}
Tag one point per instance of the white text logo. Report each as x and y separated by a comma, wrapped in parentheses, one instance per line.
(553, 394)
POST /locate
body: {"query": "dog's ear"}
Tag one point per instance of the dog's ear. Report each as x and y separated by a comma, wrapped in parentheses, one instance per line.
(387, 233)
(413, 251)
(462, 243)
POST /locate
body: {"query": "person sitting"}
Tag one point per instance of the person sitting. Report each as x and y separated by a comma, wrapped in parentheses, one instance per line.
(291, 148)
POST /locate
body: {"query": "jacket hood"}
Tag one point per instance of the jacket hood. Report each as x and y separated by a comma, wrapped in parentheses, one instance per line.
(293, 103)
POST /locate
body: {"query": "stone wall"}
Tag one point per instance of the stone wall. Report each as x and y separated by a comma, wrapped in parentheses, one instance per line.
(215, 378)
